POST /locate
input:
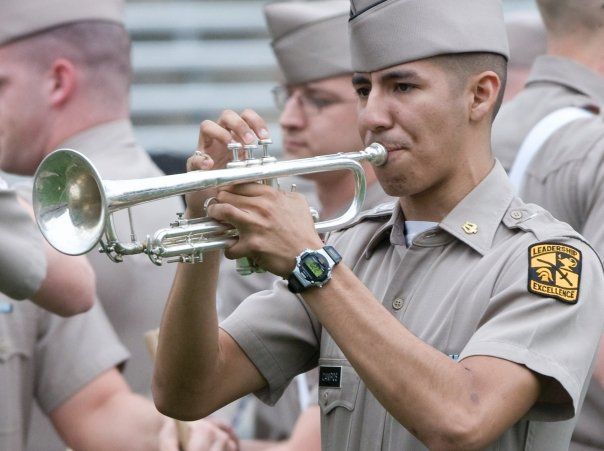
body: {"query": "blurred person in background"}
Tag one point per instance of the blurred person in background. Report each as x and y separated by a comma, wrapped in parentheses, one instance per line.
(551, 139)
(526, 36)
(318, 117)
(64, 82)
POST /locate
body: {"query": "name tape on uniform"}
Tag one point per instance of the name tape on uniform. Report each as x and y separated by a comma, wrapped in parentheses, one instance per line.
(330, 376)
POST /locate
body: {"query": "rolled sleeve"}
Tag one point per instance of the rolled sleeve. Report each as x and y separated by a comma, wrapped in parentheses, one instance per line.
(73, 352)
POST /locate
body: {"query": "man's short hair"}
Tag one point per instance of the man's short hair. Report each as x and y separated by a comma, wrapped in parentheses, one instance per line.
(461, 66)
(101, 49)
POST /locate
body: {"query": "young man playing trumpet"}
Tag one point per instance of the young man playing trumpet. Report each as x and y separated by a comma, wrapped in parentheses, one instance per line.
(318, 117)
(448, 338)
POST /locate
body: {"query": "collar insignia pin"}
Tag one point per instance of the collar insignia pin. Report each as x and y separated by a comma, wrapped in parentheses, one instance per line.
(470, 228)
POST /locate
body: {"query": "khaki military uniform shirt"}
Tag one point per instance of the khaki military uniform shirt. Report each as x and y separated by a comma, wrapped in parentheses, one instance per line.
(274, 422)
(22, 259)
(46, 358)
(133, 293)
(566, 176)
(463, 293)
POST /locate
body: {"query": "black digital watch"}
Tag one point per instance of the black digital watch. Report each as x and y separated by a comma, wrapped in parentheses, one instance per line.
(313, 268)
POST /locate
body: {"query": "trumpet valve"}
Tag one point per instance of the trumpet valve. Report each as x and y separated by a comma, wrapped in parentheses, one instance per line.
(249, 151)
(265, 143)
(235, 147)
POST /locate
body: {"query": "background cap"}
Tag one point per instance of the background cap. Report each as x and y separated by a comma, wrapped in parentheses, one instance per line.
(310, 39)
(21, 18)
(391, 32)
(527, 37)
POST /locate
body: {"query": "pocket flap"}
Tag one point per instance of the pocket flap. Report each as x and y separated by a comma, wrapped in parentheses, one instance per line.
(332, 396)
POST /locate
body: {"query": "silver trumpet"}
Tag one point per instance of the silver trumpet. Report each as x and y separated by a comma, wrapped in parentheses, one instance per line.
(74, 207)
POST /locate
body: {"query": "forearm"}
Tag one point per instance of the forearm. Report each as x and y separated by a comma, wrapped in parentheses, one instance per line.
(125, 422)
(188, 350)
(437, 399)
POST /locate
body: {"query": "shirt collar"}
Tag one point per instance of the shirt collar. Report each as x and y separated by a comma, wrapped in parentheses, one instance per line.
(570, 74)
(102, 137)
(473, 221)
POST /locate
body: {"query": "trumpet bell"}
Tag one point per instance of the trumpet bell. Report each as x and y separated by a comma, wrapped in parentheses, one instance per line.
(69, 201)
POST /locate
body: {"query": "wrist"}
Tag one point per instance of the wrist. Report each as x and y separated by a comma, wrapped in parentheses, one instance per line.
(313, 268)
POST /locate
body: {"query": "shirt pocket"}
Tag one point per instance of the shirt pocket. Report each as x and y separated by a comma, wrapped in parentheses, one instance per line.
(338, 406)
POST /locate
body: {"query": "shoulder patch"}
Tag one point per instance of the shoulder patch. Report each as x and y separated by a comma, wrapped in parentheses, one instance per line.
(555, 271)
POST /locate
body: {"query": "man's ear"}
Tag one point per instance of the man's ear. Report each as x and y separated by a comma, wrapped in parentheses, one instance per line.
(485, 92)
(62, 82)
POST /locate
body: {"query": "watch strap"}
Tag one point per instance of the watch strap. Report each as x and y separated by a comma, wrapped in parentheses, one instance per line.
(335, 256)
(294, 285)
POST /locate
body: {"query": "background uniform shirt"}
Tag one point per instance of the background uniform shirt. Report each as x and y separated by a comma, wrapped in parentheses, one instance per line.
(464, 294)
(133, 292)
(22, 260)
(566, 176)
(46, 358)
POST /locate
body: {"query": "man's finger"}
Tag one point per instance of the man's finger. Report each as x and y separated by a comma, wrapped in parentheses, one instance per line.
(256, 123)
(210, 131)
(236, 125)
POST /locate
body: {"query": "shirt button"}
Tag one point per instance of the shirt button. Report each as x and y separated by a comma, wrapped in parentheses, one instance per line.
(516, 214)
(397, 304)
(325, 398)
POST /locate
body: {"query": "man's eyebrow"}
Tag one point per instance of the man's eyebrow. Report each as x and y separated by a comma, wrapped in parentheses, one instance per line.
(399, 75)
(359, 79)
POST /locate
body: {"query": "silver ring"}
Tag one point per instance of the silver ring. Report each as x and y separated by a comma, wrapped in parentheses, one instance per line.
(209, 201)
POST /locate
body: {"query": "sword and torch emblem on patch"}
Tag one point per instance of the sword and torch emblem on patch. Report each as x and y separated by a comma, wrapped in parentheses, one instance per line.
(555, 271)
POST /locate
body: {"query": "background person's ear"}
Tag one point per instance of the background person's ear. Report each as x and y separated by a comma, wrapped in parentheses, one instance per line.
(62, 81)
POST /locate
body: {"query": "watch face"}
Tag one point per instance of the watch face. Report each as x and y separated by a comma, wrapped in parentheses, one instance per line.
(315, 267)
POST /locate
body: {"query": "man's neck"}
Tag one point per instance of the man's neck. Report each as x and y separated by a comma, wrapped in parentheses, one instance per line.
(587, 52)
(67, 125)
(437, 202)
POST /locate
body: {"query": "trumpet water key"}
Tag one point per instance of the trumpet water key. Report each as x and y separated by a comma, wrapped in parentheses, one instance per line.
(74, 207)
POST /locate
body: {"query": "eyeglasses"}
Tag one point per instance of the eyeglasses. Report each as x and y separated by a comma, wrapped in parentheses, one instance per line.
(310, 104)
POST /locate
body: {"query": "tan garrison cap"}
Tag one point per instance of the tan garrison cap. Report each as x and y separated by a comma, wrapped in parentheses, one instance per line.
(527, 37)
(391, 32)
(22, 18)
(310, 39)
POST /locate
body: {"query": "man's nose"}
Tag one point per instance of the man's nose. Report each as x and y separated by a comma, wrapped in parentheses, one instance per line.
(374, 113)
(292, 116)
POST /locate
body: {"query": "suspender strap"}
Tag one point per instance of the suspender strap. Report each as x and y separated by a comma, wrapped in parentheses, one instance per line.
(303, 391)
(544, 129)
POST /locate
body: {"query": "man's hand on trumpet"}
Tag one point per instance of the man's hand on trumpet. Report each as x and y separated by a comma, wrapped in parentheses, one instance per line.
(212, 152)
(274, 226)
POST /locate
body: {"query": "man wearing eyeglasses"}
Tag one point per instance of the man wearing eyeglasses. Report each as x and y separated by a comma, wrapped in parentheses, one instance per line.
(318, 117)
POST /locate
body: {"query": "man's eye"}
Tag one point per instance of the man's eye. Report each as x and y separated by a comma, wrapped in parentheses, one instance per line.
(403, 87)
(363, 91)
(320, 103)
